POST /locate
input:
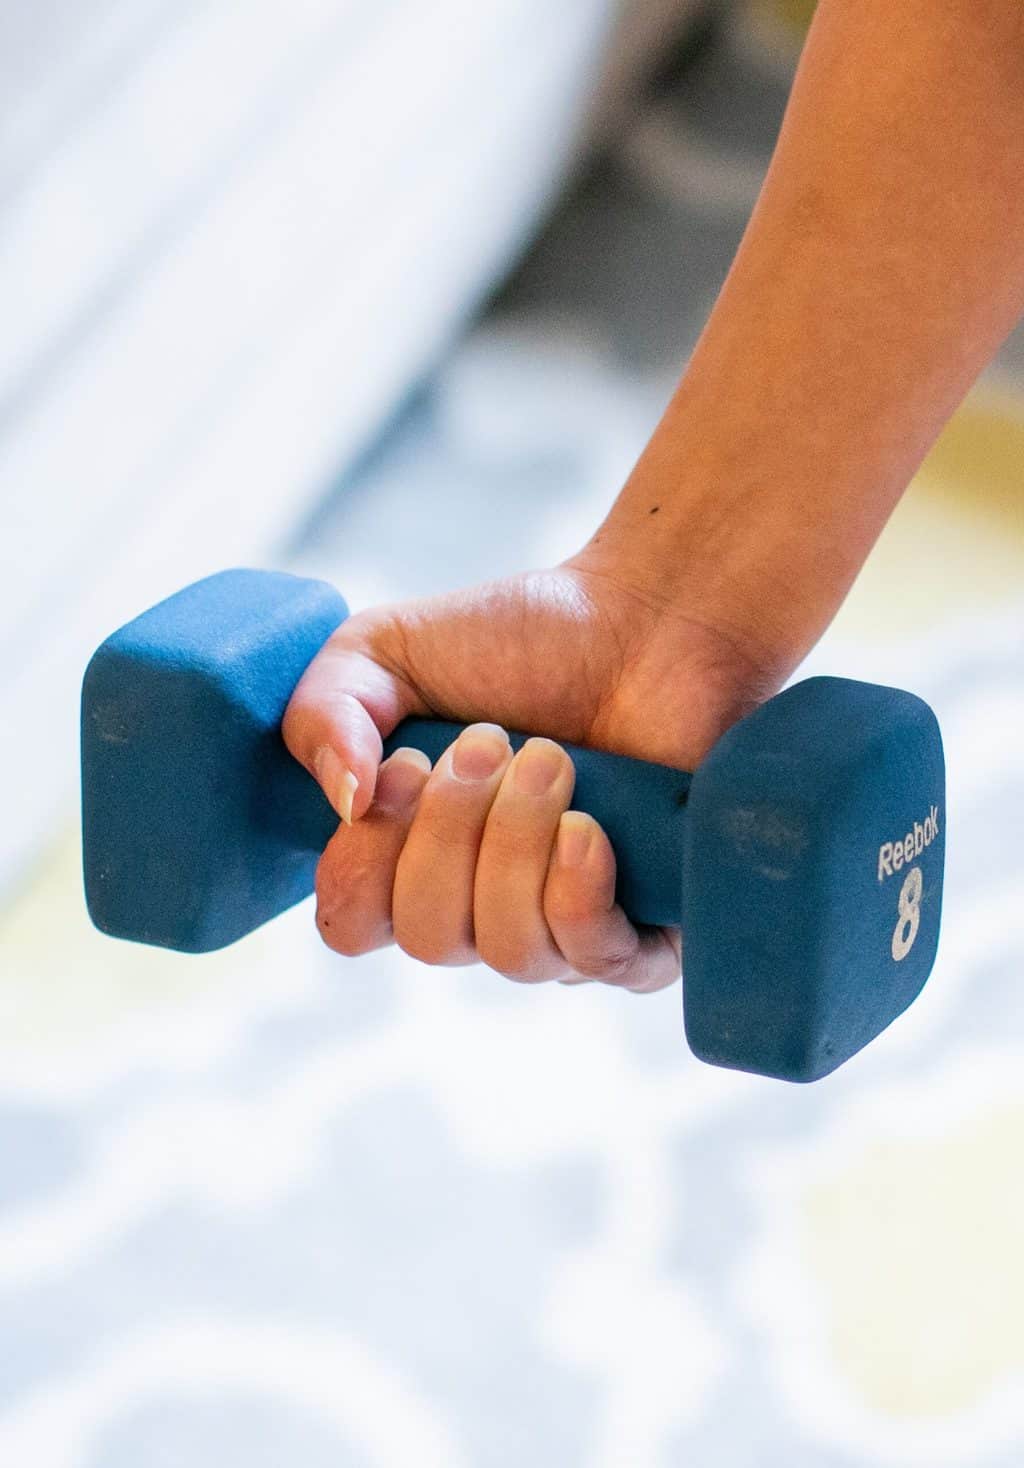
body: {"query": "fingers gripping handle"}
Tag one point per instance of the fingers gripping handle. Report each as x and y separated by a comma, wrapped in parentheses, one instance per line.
(198, 825)
(640, 806)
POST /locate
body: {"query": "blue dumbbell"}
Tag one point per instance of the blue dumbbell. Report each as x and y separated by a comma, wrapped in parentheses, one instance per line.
(803, 860)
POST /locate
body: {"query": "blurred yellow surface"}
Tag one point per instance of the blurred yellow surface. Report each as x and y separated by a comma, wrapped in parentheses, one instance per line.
(794, 13)
(916, 1250)
(61, 980)
(956, 540)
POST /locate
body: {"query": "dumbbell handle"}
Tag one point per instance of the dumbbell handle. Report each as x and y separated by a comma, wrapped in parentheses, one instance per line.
(640, 806)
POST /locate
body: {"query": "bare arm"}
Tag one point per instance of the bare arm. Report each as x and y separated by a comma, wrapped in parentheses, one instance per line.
(880, 271)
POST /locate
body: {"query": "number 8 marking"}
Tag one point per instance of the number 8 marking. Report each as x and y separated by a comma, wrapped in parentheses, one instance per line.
(910, 914)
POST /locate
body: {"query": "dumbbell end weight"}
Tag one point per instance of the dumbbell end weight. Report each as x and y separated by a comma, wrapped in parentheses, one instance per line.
(812, 877)
(197, 824)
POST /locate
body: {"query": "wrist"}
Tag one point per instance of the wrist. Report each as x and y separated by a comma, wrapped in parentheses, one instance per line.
(744, 542)
(711, 589)
(667, 654)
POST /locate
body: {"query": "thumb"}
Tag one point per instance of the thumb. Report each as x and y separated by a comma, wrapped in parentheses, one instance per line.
(346, 703)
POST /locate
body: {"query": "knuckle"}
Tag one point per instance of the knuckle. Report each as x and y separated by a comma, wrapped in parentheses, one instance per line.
(343, 890)
(621, 967)
(417, 946)
(446, 834)
(588, 965)
(649, 980)
(644, 985)
(502, 845)
(432, 947)
(348, 941)
(498, 955)
(510, 960)
(443, 835)
(612, 965)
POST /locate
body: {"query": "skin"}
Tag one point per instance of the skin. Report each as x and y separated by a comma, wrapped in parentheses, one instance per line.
(881, 269)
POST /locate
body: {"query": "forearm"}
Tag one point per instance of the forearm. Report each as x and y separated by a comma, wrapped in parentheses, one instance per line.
(881, 269)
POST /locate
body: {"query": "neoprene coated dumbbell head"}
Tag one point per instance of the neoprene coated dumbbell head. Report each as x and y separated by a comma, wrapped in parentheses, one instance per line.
(803, 860)
(812, 875)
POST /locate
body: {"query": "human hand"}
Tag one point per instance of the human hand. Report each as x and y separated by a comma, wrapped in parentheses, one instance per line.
(480, 859)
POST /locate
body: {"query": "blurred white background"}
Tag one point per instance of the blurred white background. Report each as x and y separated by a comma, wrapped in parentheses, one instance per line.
(231, 238)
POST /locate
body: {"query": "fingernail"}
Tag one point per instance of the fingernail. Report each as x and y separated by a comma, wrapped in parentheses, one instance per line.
(338, 783)
(479, 751)
(400, 780)
(538, 766)
(575, 832)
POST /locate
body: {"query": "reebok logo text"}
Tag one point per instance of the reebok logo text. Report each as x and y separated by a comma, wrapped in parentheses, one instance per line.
(892, 855)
